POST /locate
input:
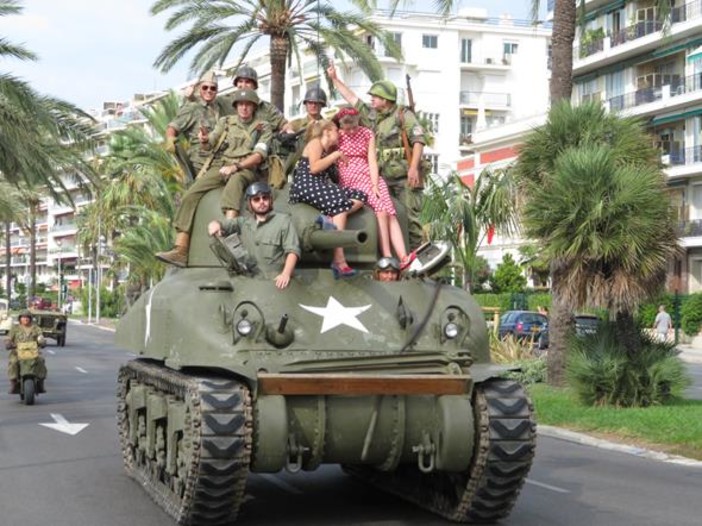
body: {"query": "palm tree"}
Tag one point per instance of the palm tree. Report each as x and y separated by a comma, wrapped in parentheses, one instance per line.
(465, 215)
(292, 27)
(580, 234)
(11, 211)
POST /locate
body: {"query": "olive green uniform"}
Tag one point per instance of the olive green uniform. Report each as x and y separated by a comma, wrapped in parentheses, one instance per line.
(264, 112)
(20, 334)
(392, 161)
(188, 121)
(291, 153)
(267, 242)
(233, 140)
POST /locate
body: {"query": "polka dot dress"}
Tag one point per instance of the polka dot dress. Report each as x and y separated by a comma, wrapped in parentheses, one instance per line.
(319, 191)
(356, 172)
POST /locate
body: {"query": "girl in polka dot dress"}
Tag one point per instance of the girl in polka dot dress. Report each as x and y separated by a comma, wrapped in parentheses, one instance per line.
(312, 184)
(360, 171)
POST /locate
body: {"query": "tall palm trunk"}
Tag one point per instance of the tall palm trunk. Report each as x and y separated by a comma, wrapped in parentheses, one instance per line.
(628, 333)
(559, 325)
(279, 52)
(8, 261)
(562, 37)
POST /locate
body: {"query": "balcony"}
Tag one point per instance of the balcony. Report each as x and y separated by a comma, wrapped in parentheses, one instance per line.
(489, 100)
(678, 86)
(690, 228)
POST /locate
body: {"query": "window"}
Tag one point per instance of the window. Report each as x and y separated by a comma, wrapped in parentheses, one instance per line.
(430, 41)
(370, 42)
(466, 126)
(509, 49)
(466, 50)
(434, 160)
(397, 38)
(433, 119)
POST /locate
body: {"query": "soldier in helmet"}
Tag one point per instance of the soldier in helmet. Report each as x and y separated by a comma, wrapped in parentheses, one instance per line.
(202, 112)
(268, 236)
(292, 144)
(247, 78)
(25, 332)
(387, 269)
(387, 120)
(238, 146)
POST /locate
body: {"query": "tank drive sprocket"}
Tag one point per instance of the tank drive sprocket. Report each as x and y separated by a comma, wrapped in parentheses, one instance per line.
(487, 490)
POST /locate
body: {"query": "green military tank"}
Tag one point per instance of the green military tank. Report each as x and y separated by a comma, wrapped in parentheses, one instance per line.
(392, 380)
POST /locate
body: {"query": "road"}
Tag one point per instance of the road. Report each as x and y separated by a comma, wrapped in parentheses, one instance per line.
(50, 477)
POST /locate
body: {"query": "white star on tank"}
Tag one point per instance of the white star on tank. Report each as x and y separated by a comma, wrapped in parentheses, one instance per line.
(335, 314)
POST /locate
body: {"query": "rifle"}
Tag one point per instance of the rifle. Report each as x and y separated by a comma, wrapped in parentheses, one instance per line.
(403, 132)
(184, 162)
(410, 95)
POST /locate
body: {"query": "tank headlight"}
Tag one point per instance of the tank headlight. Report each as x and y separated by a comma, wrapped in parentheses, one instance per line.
(451, 330)
(244, 327)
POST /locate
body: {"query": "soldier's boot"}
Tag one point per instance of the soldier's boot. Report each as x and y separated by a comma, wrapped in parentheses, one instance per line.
(178, 255)
(14, 387)
(40, 386)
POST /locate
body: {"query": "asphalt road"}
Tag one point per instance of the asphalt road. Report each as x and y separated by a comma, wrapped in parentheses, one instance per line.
(50, 477)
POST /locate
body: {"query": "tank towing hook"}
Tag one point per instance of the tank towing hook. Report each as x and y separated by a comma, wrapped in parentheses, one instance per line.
(295, 452)
(426, 454)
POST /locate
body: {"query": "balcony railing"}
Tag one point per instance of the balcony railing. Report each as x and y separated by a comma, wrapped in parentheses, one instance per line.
(690, 155)
(688, 84)
(691, 228)
(472, 98)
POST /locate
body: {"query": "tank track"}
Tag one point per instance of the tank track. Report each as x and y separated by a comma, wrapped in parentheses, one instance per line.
(212, 455)
(486, 492)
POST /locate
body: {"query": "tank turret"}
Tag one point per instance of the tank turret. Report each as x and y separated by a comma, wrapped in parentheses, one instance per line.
(392, 380)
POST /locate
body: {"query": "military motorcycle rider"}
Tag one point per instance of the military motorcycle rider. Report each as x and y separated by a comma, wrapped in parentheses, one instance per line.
(24, 332)
(387, 120)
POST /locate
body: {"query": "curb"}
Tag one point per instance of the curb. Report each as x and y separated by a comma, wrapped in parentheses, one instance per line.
(101, 327)
(581, 438)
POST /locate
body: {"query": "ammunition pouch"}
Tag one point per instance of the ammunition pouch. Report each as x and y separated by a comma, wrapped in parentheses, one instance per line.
(27, 350)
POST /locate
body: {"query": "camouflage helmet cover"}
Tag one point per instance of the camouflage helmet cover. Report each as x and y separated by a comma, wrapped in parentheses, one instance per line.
(25, 314)
(246, 72)
(316, 94)
(245, 94)
(257, 188)
(384, 89)
(208, 77)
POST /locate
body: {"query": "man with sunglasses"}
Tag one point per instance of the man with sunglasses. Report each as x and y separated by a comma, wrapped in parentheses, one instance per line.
(387, 269)
(200, 114)
(269, 238)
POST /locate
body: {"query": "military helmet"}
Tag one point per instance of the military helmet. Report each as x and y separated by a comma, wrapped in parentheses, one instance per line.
(25, 314)
(208, 77)
(257, 188)
(315, 94)
(245, 94)
(384, 89)
(246, 72)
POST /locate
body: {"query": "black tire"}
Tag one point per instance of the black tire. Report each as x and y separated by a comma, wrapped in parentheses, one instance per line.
(28, 387)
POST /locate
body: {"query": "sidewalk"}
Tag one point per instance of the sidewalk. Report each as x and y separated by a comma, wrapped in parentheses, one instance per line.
(690, 353)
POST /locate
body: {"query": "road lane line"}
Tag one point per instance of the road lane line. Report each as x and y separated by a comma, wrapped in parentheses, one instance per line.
(81, 370)
(50, 351)
(547, 486)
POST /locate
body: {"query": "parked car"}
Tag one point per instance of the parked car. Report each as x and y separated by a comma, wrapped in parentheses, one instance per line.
(5, 316)
(524, 325)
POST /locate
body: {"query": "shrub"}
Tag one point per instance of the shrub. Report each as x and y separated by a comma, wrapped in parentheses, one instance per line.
(531, 371)
(691, 314)
(603, 372)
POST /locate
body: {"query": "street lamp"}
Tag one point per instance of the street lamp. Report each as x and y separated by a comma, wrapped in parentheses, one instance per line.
(60, 280)
(101, 245)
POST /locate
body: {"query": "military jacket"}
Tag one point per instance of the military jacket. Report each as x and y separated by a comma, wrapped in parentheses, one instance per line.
(267, 242)
(193, 115)
(387, 127)
(240, 139)
(19, 334)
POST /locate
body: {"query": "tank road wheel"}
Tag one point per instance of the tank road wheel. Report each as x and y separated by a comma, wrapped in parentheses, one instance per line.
(486, 492)
(186, 440)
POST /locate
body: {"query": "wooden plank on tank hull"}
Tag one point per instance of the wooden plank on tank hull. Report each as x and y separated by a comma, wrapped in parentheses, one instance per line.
(356, 385)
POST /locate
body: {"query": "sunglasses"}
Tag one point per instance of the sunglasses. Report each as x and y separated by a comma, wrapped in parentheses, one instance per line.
(259, 198)
(208, 88)
(388, 264)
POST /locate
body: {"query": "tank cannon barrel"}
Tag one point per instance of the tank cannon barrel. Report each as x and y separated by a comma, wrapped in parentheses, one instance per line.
(328, 239)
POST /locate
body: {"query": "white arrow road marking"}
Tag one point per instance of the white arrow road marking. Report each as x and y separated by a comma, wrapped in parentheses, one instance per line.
(335, 314)
(63, 425)
(81, 370)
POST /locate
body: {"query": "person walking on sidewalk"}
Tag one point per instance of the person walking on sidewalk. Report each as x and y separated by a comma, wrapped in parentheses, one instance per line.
(663, 324)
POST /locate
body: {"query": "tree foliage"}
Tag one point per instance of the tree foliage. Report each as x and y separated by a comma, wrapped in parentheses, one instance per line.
(508, 276)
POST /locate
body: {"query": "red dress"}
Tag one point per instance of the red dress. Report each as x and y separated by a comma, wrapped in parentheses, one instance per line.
(356, 173)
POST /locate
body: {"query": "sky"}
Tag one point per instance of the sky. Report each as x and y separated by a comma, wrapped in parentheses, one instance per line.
(92, 51)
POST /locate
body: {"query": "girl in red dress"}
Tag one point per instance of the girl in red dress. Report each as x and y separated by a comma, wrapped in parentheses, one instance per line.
(360, 171)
